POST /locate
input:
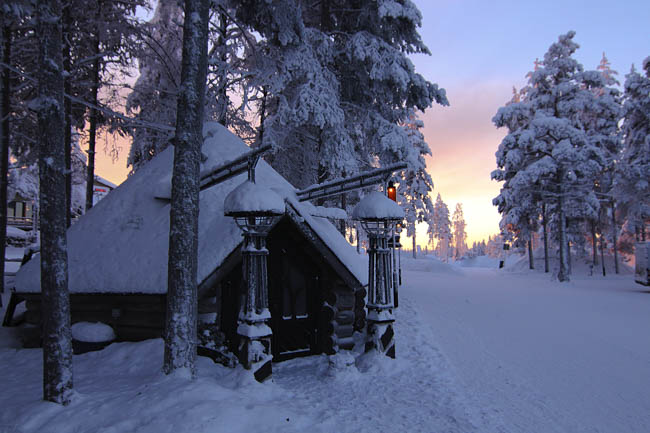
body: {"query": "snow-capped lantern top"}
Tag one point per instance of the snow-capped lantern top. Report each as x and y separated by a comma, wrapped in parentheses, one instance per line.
(254, 207)
(251, 199)
(376, 206)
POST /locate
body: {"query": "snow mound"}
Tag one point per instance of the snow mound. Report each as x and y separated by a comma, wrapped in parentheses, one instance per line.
(429, 264)
(580, 266)
(478, 262)
(88, 332)
(16, 233)
(377, 206)
(252, 197)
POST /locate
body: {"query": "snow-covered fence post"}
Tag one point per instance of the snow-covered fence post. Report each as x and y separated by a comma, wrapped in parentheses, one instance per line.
(378, 216)
(255, 210)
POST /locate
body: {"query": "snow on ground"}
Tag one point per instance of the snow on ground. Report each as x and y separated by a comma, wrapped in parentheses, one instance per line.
(535, 355)
(479, 350)
(121, 389)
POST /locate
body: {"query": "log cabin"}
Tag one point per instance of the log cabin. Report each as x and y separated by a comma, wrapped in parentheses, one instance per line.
(117, 256)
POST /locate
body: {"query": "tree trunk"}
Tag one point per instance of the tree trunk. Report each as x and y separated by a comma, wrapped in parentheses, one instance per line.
(4, 147)
(344, 205)
(544, 226)
(594, 244)
(67, 107)
(414, 243)
(531, 262)
(602, 253)
(55, 301)
(180, 329)
(223, 76)
(262, 115)
(90, 177)
(563, 273)
(615, 237)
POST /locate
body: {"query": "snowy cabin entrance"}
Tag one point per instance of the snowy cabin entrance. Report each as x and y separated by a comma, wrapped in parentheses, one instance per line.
(316, 304)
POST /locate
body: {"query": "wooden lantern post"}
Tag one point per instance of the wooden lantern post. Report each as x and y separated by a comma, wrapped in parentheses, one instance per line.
(255, 210)
(378, 216)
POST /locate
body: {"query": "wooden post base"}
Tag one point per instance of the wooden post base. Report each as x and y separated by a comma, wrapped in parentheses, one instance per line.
(381, 337)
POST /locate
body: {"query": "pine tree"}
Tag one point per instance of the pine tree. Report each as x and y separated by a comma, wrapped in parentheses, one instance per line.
(549, 153)
(182, 314)
(440, 228)
(632, 187)
(459, 234)
(154, 96)
(416, 184)
(57, 337)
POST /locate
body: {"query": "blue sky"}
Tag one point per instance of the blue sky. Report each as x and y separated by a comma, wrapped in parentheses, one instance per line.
(480, 49)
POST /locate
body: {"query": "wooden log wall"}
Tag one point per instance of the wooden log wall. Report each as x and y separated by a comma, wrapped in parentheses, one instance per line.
(133, 317)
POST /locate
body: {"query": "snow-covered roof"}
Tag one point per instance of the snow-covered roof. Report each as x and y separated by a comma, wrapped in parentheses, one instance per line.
(100, 180)
(121, 244)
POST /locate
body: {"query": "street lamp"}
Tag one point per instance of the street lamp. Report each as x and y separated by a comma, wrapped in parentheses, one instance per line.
(255, 209)
(378, 216)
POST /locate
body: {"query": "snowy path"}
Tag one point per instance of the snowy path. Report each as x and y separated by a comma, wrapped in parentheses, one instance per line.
(538, 356)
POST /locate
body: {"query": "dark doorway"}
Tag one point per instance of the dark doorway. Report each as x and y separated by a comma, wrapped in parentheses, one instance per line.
(293, 293)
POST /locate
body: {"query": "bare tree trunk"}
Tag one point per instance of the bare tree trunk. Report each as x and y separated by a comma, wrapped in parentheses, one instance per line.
(90, 177)
(4, 149)
(55, 301)
(594, 244)
(414, 243)
(544, 224)
(344, 205)
(67, 107)
(563, 273)
(615, 237)
(180, 329)
(223, 76)
(531, 262)
(602, 253)
(262, 115)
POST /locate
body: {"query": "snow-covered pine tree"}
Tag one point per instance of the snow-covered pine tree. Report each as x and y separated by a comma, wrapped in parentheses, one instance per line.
(561, 163)
(601, 119)
(57, 337)
(517, 203)
(228, 73)
(632, 185)
(415, 183)
(459, 234)
(182, 315)
(441, 229)
(154, 96)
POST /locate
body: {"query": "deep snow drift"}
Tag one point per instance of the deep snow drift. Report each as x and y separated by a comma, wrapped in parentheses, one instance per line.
(479, 350)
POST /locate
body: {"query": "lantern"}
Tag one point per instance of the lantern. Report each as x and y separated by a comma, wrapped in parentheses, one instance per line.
(378, 216)
(391, 191)
(255, 209)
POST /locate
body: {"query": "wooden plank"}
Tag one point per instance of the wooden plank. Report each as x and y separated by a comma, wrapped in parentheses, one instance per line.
(14, 300)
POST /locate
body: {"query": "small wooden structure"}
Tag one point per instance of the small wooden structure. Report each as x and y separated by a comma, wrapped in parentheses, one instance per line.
(118, 263)
(642, 263)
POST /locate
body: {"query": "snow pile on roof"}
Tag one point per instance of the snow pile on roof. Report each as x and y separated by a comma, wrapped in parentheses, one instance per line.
(252, 197)
(328, 212)
(106, 182)
(16, 233)
(120, 245)
(92, 332)
(377, 206)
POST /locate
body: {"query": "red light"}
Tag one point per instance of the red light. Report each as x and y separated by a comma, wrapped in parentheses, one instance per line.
(392, 192)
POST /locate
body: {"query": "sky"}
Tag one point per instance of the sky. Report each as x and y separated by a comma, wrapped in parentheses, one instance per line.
(479, 51)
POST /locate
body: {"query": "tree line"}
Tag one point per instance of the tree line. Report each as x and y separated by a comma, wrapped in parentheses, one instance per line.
(575, 162)
(328, 84)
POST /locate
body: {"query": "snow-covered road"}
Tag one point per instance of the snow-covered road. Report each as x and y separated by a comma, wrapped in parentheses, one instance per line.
(535, 355)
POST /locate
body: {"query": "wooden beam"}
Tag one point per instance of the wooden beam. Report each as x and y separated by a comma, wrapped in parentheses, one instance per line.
(232, 168)
(345, 184)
